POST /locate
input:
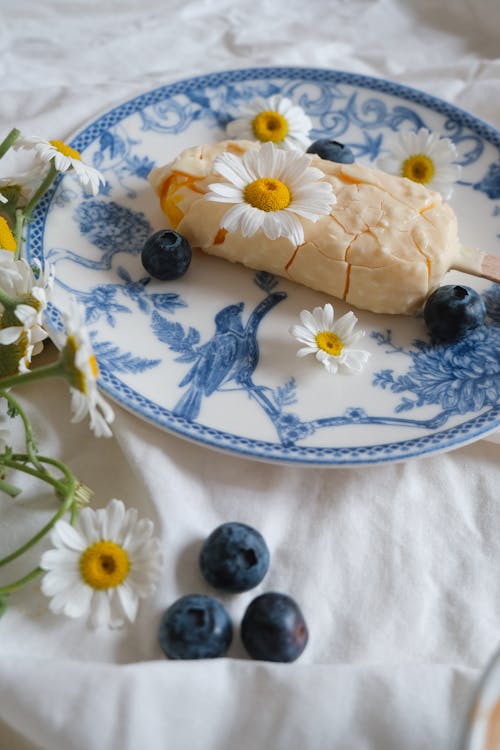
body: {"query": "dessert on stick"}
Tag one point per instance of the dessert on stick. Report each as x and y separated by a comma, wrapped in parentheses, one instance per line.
(381, 242)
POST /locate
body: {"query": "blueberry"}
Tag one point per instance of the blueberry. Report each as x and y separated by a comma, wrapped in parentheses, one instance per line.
(166, 255)
(273, 628)
(195, 627)
(332, 151)
(453, 311)
(234, 557)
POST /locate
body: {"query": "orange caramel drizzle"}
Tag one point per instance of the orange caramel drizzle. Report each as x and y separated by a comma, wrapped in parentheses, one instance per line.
(292, 257)
(220, 237)
(169, 195)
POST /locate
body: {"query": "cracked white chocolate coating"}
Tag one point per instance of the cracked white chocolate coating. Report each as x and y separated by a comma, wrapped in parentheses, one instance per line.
(385, 245)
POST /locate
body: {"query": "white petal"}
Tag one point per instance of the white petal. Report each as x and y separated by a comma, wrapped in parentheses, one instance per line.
(355, 359)
(55, 582)
(64, 534)
(328, 316)
(233, 169)
(78, 600)
(233, 218)
(142, 533)
(307, 350)
(113, 520)
(100, 609)
(240, 129)
(309, 322)
(86, 524)
(128, 600)
(345, 325)
(10, 335)
(223, 192)
(60, 558)
(303, 334)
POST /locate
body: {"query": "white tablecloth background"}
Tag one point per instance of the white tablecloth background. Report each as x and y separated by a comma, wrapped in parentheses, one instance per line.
(395, 566)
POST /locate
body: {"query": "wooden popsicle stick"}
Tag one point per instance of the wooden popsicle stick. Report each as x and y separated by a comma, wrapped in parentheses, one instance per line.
(473, 261)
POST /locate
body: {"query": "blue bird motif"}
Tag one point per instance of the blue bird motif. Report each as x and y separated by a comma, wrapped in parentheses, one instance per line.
(230, 356)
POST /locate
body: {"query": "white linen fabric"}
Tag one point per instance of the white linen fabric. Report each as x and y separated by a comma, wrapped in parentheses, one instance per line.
(395, 566)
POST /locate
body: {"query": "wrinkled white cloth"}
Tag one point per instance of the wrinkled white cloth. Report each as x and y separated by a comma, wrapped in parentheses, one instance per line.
(395, 566)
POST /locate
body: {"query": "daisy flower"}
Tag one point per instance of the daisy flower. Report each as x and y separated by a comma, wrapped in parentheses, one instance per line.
(275, 119)
(331, 342)
(101, 567)
(3, 199)
(423, 157)
(270, 189)
(64, 158)
(81, 370)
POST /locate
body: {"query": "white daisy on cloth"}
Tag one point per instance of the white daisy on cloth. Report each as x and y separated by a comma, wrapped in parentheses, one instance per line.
(64, 158)
(101, 567)
(272, 190)
(333, 343)
(275, 119)
(423, 157)
(80, 367)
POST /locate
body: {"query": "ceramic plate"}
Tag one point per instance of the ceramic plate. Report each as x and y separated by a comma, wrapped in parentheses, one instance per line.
(150, 337)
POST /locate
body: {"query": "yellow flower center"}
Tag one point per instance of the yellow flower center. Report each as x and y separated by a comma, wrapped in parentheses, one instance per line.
(267, 194)
(76, 376)
(329, 342)
(104, 565)
(419, 168)
(66, 150)
(7, 241)
(270, 126)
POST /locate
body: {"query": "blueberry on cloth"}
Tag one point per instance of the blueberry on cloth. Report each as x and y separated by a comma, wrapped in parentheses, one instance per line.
(452, 311)
(195, 627)
(166, 255)
(331, 151)
(273, 628)
(234, 557)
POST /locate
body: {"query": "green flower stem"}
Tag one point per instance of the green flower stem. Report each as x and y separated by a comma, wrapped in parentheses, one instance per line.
(38, 195)
(30, 441)
(8, 141)
(11, 587)
(66, 488)
(49, 371)
(9, 488)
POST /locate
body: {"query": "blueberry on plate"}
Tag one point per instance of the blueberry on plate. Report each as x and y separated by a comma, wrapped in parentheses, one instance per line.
(195, 627)
(331, 151)
(234, 557)
(453, 311)
(166, 255)
(273, 628)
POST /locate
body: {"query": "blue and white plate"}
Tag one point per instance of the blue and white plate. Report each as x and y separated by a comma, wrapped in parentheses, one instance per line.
(412, 399)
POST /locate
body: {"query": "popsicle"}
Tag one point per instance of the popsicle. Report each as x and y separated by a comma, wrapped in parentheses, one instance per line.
(385, 246)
